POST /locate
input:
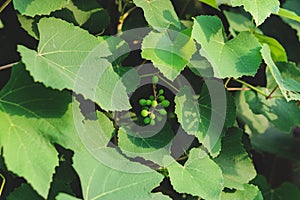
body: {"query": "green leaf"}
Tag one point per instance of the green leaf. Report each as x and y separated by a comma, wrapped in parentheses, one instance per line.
(38, 7)
(234, 161)
(249, 192)
(200, 65)
(30, 117)
(239, 22)
(263, 135)
(277, 51)
(89, 15)
(277, 142)
(103, 182)
(29, 25)
(260, 10)
(289, 84)
(150, 144)
(285, 191)
(63, 196)
(212, 3)
(24, 192)
(202, 177)
(75, 63)
(205, 117)
(160, 14)
(291, 14)
(284, 115)
(170, 51)
(288, 14)
(187, 110)
(237, 57)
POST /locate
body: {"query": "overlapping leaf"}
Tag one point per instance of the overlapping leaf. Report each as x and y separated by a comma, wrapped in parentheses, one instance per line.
(151, 144)
(260, 10)
(234, 161)
(289, 82)
(294, 7)
(170, 51)
(283, 114)
(250, 192)
(202, 176)
(31, 116)
(278, 53)
(207, 116)
(160, 14)
(237, 57)
(75, 62)
(38, 7)
(24, 191)
(100, 181)
(87, 14)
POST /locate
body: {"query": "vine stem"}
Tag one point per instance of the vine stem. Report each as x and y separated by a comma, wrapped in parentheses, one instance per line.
(4, 5)
(7, 66)
(123, 17)
(3, 183)
(251, 86)
(270, 95)
(227, 81)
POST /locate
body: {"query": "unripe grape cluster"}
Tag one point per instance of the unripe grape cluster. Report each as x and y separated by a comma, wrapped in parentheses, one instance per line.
(153, 108)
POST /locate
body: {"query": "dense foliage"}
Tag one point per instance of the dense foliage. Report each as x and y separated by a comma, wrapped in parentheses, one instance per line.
(150, 99)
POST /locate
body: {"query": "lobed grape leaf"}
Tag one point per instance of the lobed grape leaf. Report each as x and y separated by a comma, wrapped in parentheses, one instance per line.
(202, 176)
(239, 22)
(160, 14)
(237, 57)
(283, 114)
(264, 136)
(249, 191)
(149, 144)
(170, 51)
(207, 116)
(103, 182)
(31, 117)
(289, 83)
(38, 7)
(260, 10)
(75, 63)
(234, 161)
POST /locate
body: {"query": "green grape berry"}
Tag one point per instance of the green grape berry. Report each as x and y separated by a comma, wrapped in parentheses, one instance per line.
(151, 97)
(162, 111)
(155, 79)
(147, 120)
(161, 91)
(152, 122)
(144, 113)
(161, 98)
(143, 102)
(165, 103)
(154, 103)
(148, 102)
(152, 116)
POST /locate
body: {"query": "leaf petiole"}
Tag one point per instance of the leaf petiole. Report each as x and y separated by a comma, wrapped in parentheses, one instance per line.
(252, 87)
